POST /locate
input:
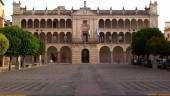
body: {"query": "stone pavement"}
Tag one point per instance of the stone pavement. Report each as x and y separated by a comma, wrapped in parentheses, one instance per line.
(86, 80)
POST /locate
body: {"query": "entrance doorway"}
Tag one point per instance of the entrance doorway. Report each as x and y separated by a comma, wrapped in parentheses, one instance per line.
(85, 56)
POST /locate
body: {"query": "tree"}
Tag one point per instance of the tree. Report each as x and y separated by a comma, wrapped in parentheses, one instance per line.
(31, 45)
(140, 39)
(41, 49)
(22, 43)
(4, 44)
(12, 33)
(158, 46)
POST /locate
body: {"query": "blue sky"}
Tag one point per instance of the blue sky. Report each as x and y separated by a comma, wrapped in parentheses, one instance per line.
(163, 6)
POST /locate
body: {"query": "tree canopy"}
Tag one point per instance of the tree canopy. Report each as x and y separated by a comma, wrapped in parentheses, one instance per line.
(4, 44)
(158, 45)
(13, 33)
(140, 39)
(29, 44)
(22, 43)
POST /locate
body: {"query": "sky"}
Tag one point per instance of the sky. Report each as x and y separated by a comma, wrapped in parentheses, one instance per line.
(163, 6)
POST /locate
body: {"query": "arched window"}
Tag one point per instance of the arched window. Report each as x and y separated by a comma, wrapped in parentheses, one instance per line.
(133, 24)
(101, 23)
(121, 23)
(108, 23)
(68, 23)
(127, 24)
(55, 23)
(43, 23)
(49, 23)
(23, 23)
(62, 23)
(114, 23)
(36, 23)
(30, 23)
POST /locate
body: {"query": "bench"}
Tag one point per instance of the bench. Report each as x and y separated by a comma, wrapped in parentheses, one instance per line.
(35, 64)
(28, 65)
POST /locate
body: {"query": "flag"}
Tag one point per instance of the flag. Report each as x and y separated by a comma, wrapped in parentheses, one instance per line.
(97, 33)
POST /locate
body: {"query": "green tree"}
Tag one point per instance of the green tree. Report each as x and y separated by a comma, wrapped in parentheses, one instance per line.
(31, 45)
(41, 48)
(4, 44)
(12, 33)
(22, 43)
(158, 46)
(140, 39)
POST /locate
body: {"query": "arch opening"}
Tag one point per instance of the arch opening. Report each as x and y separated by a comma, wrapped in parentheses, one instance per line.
(85, 56)
(105, 55)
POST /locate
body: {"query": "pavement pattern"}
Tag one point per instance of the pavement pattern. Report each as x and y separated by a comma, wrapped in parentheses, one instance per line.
(86, 80)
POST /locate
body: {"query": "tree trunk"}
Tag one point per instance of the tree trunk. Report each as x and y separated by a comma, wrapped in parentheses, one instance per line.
(22, 62)
(10, 63)
(138, 59)
(147, 57)
(40, 60)
(19, 62)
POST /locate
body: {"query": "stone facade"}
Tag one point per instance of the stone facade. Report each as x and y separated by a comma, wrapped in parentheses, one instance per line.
(85, 35)
(4, 61)
(167, 31)
(1, 14)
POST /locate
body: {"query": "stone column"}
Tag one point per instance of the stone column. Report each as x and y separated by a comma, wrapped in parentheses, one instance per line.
(111, 57)
(58, 57)
(125, 57)
(124, 38)
(117, 25)
(45, 23)
(32, 24)
(104, 24)
(52, 24)
(46, 39)
(123, 24)
(137, 24)
(130, 25)
(104, 39)
(26, 24)
(111, 24)
(58, 23)
(46, 57)
(65, 23)
(58, 38)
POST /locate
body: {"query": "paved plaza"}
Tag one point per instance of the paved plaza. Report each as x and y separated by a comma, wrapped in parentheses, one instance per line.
(86, 80)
